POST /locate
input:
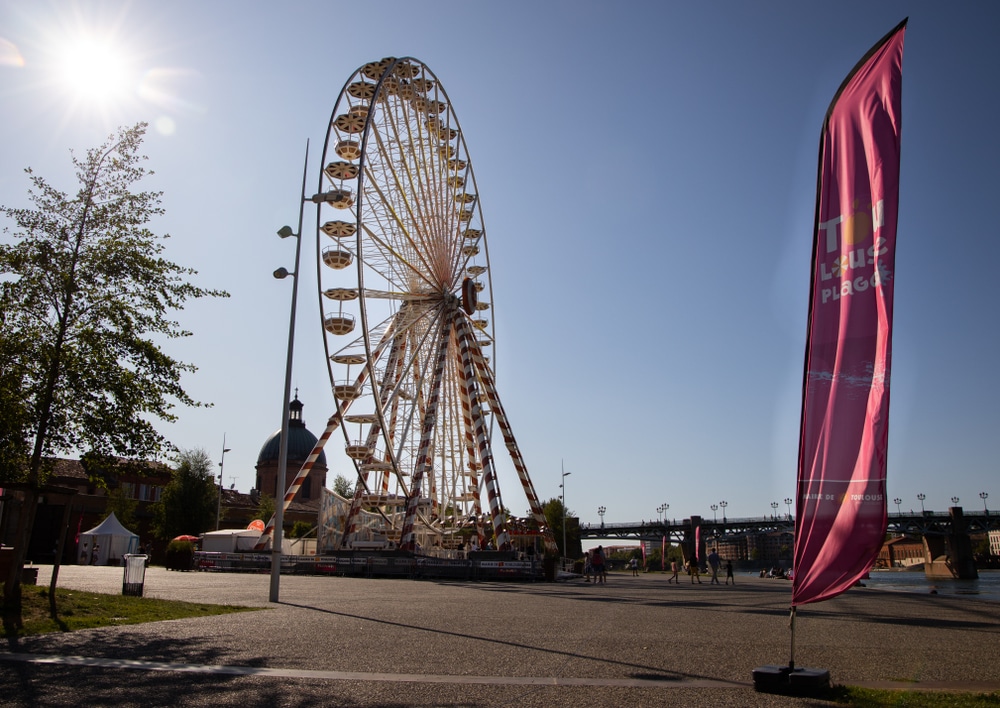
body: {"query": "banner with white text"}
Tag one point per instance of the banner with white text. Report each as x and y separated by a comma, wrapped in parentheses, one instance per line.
(841, 512)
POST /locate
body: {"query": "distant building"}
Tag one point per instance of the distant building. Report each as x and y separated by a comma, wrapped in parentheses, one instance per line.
(300, 443)
(900, 552)
(770, 547)
(141, 482)
(732, 548)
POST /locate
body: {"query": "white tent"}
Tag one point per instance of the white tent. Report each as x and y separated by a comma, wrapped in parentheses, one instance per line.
(229, 540)
(106, 542)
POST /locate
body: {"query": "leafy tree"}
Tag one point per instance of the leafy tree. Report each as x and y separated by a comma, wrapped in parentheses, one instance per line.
(300, 529)
(265, 507)
(188, 502)
(85, 297)
(342, 486)
(554, 516)
(122, 507)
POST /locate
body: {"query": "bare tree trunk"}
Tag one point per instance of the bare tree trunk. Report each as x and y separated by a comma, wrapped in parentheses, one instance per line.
(58, 559)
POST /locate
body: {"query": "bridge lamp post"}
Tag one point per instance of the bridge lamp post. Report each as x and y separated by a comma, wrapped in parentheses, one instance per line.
(897, 501)
(600, 512)
(714, 508)
(774, 509)
(723, 504)
(954, 500)
(788, 505)
(660, 509)
(921, 497)
(983, 495)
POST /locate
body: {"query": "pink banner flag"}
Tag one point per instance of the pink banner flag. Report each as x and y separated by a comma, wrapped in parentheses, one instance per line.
(841, 515)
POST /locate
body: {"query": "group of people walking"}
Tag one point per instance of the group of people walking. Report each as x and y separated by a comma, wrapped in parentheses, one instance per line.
(694, 570)
(594, 565)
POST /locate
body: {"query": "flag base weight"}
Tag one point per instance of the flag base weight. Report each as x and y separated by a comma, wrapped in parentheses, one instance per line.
(795, 682)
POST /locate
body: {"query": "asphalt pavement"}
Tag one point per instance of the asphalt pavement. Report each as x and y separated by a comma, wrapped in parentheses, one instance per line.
(635, 641)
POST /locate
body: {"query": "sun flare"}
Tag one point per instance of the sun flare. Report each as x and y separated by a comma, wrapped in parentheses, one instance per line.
(94, 70)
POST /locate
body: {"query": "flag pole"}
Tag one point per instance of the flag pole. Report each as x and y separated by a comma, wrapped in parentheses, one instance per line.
(791, 652)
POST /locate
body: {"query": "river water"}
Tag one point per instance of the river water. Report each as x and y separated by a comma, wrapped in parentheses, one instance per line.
(987, 587)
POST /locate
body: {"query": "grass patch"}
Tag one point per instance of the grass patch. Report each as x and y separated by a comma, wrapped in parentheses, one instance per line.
(878, 698)
(78, 609)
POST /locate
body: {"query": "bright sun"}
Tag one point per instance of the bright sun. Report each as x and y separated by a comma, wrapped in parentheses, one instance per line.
(95, 70)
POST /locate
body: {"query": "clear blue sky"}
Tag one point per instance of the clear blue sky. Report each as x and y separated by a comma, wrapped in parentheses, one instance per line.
(647, 177)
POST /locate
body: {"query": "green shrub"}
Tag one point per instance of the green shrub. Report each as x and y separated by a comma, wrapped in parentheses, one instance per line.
(180, 555)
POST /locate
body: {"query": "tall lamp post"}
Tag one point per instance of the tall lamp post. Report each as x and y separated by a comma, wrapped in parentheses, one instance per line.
(774, 509)
(714, 508)
(921, 497)
(723, 504)
(600, 512)
(562, 486)
(218, 504)
(983, 496)
(897, 501)
(954, 500)
(281, 273)
(660, 509)
(788, 505)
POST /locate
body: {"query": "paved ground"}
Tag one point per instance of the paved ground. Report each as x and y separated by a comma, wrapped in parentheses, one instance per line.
(361, 642)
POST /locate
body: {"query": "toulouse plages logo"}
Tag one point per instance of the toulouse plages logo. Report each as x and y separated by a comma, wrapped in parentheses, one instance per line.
(852, 262)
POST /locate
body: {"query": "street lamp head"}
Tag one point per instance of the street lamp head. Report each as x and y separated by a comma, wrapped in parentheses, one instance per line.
(282, 273)
(285, 231)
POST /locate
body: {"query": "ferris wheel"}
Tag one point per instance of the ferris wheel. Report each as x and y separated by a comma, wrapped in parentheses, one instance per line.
(406, 296)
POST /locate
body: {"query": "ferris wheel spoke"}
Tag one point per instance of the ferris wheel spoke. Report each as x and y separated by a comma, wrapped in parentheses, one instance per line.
(385, 254)
(416, 170)
(420, 222)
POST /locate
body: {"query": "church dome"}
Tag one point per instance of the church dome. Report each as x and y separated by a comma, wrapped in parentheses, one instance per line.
(300, 441)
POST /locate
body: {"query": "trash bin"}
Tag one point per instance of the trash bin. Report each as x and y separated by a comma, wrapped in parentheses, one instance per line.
(135, 574)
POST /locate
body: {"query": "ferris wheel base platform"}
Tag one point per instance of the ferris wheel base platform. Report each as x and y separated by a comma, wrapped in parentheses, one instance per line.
(481, 565)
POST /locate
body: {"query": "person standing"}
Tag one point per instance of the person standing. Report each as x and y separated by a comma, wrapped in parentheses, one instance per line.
(587, 567)
(729, 572)
(597, 561)
(713, 563)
